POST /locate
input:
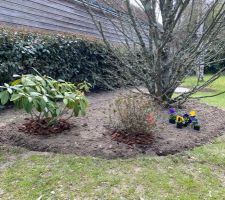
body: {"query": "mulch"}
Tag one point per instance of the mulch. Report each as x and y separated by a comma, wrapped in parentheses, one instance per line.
(91, 136)
(36, 127)
(133, 139)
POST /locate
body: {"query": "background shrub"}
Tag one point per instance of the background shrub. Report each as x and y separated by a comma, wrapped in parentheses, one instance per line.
(134, 114)
(61, 56)
(214, 66)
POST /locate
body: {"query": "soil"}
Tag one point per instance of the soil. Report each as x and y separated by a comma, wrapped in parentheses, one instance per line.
(90, 135)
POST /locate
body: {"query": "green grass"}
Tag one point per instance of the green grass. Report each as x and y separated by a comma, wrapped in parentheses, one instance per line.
(216, 87)
(197, 174)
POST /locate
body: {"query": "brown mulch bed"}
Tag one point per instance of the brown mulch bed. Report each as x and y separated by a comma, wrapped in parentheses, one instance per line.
(90, 135)
(133, 139)
(42, 128)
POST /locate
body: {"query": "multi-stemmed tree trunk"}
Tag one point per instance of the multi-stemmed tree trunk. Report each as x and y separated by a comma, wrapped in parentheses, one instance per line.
(162, 55)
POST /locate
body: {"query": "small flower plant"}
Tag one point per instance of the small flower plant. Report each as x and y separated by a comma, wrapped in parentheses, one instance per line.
(184, 120)
(172, 117)
(180, 121)
(194, 121)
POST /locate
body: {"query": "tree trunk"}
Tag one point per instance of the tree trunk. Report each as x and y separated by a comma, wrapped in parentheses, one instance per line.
(161, 56)
(200, 72)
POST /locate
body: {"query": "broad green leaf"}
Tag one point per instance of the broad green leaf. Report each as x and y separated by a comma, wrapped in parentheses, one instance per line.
(82, 107)
(9, 90)
(46, 114)
(45, 98)
(4, 97)
(19, 103)
(30, 99)
(37, 105)
(65, 101)
(38, 89)
(27, 105)
(59, 96)
(15, 97)
(35, 94)
(27, 82)
(42, 104)
(76, 110)
(43, 90)
(6, 85)
(57, 112)
(16, 82)
(38, 78)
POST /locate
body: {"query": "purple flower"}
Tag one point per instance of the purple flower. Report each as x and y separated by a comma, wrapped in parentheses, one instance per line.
(172, 110)
(185, 115)
(193, 119)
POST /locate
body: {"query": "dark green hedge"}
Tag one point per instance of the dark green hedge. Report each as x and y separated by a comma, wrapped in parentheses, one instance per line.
(61, 56)
(215, 66)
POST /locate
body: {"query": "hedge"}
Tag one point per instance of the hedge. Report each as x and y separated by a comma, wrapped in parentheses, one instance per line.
(216, 66)
(61, 56)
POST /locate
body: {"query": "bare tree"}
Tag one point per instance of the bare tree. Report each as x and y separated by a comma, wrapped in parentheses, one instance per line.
(196, 10)
(162, 55)
(192, 16)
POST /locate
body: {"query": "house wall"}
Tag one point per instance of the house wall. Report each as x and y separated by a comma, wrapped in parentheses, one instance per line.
(55, 15)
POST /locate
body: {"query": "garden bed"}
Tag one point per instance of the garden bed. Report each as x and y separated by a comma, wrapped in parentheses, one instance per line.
(91, 135)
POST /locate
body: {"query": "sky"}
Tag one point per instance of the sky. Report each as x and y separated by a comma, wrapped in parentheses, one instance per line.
(135, 2)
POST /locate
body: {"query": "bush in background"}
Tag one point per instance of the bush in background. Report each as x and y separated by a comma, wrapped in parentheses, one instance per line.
(61, 56)
(214, 66)
(134, 114)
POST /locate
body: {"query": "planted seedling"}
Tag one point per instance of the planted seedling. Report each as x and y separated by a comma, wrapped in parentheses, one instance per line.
(180, 121)
(172, 116)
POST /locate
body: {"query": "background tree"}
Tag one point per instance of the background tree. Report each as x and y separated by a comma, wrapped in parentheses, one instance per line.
(162, 55)
(191, 16)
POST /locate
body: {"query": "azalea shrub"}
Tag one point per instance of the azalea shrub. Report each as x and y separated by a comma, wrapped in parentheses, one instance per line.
(46, 99)
(134, 114)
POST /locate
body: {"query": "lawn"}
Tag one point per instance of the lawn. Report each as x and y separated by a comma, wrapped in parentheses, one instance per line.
(196, 174)
(216, 87)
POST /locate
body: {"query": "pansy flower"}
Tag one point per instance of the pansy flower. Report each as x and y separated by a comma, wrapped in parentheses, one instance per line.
(185, 115)
(179, 119)
(193, 118)
(192, 113)
(172, 110)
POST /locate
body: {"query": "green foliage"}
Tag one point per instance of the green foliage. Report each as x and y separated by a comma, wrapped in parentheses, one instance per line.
(217, 63)
(59, 56)
(42, 94)
(216, 60)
